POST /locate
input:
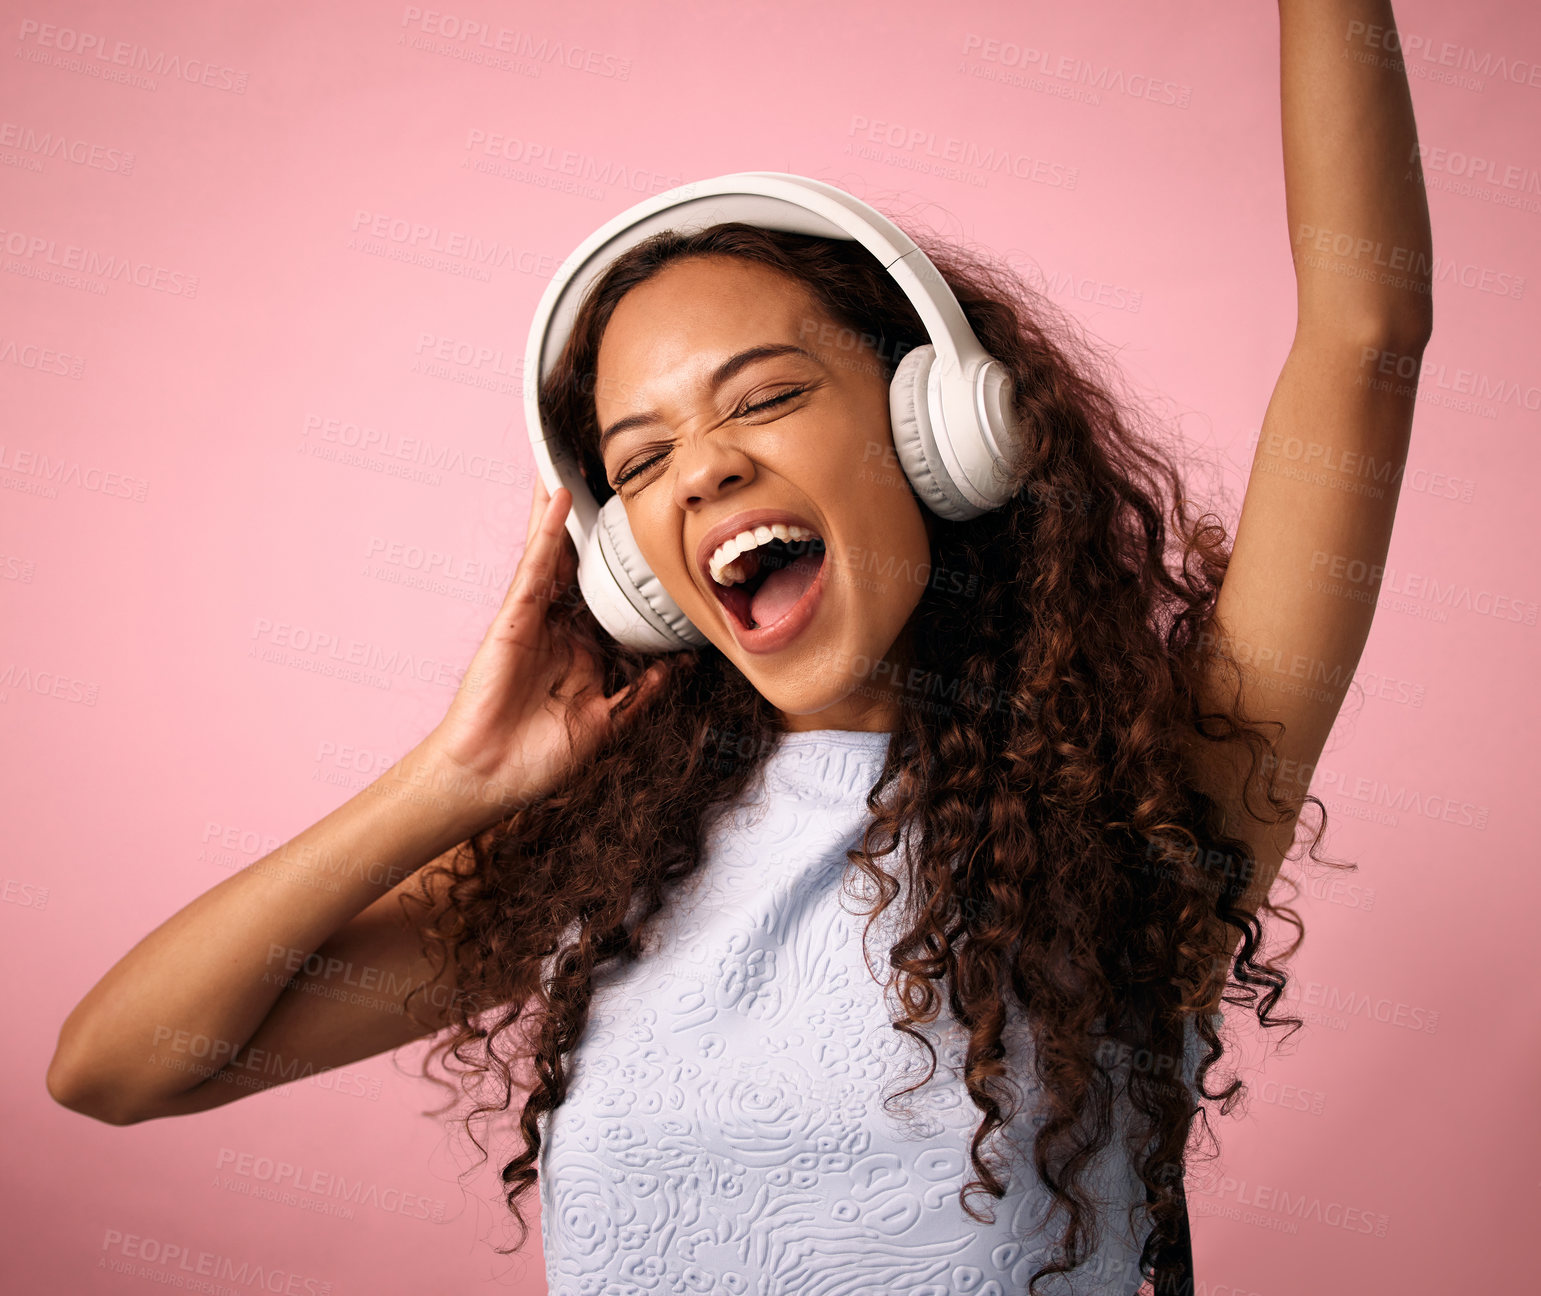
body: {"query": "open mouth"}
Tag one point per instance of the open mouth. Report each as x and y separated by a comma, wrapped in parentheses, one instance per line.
(776, 576)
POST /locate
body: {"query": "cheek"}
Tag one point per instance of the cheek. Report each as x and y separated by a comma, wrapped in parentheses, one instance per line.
(663, 551)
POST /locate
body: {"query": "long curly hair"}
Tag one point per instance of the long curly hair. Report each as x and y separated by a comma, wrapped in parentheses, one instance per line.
(1039, 775)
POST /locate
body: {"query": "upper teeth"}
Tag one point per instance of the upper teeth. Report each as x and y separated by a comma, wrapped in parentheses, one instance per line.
(725, 571)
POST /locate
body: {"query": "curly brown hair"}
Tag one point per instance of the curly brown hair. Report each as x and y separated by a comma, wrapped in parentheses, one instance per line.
(1040, 768)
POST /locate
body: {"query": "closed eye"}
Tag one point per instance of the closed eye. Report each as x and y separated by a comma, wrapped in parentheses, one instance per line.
(748, 409)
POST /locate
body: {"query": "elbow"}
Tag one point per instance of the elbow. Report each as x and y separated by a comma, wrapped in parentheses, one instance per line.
(1412, 334)
(1405, 332)
(80, 1093)
(1376, 335)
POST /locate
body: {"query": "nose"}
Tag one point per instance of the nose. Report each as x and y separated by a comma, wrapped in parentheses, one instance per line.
(706, 466)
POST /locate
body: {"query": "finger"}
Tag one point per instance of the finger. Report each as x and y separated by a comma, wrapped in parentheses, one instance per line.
(534, 578)
(538, 502)
(566, 556)
(648, 683)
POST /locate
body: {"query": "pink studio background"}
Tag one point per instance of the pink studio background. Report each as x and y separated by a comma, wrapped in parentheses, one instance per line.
(183, 524)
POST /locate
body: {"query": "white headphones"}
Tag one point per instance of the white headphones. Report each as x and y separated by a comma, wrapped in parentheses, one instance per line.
(954, 425)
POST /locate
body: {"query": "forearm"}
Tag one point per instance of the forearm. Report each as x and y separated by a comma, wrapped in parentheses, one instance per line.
(1354, 196)
(180, 1004)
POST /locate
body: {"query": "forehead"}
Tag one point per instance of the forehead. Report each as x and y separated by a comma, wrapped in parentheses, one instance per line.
(691, 315)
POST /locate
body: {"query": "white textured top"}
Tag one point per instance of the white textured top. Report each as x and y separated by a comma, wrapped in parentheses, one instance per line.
(723, 1130)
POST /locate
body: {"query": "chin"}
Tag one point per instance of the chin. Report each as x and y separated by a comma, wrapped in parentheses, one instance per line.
(827, 678)
(800, 703)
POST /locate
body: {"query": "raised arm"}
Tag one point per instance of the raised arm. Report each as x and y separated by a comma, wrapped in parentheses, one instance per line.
(301, 961)
(1297, 601)
(1353, 183)
(296, 964)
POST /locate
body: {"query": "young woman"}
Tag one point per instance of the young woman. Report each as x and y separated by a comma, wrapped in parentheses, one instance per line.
(1056, 753)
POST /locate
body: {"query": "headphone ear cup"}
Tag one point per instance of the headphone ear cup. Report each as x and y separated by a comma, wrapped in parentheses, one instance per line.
(627, 598)
(910, 407)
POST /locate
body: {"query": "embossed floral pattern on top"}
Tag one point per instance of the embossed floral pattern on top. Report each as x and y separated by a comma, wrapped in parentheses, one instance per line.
(724, 1130)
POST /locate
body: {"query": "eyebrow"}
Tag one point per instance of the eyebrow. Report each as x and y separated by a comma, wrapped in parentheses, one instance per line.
(720, 375)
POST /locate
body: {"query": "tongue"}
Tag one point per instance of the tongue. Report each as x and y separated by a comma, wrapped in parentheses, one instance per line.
(782, 588)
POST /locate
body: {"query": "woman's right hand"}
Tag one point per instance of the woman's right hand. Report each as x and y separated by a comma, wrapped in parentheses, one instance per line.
(502, 733)
(208, 973)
